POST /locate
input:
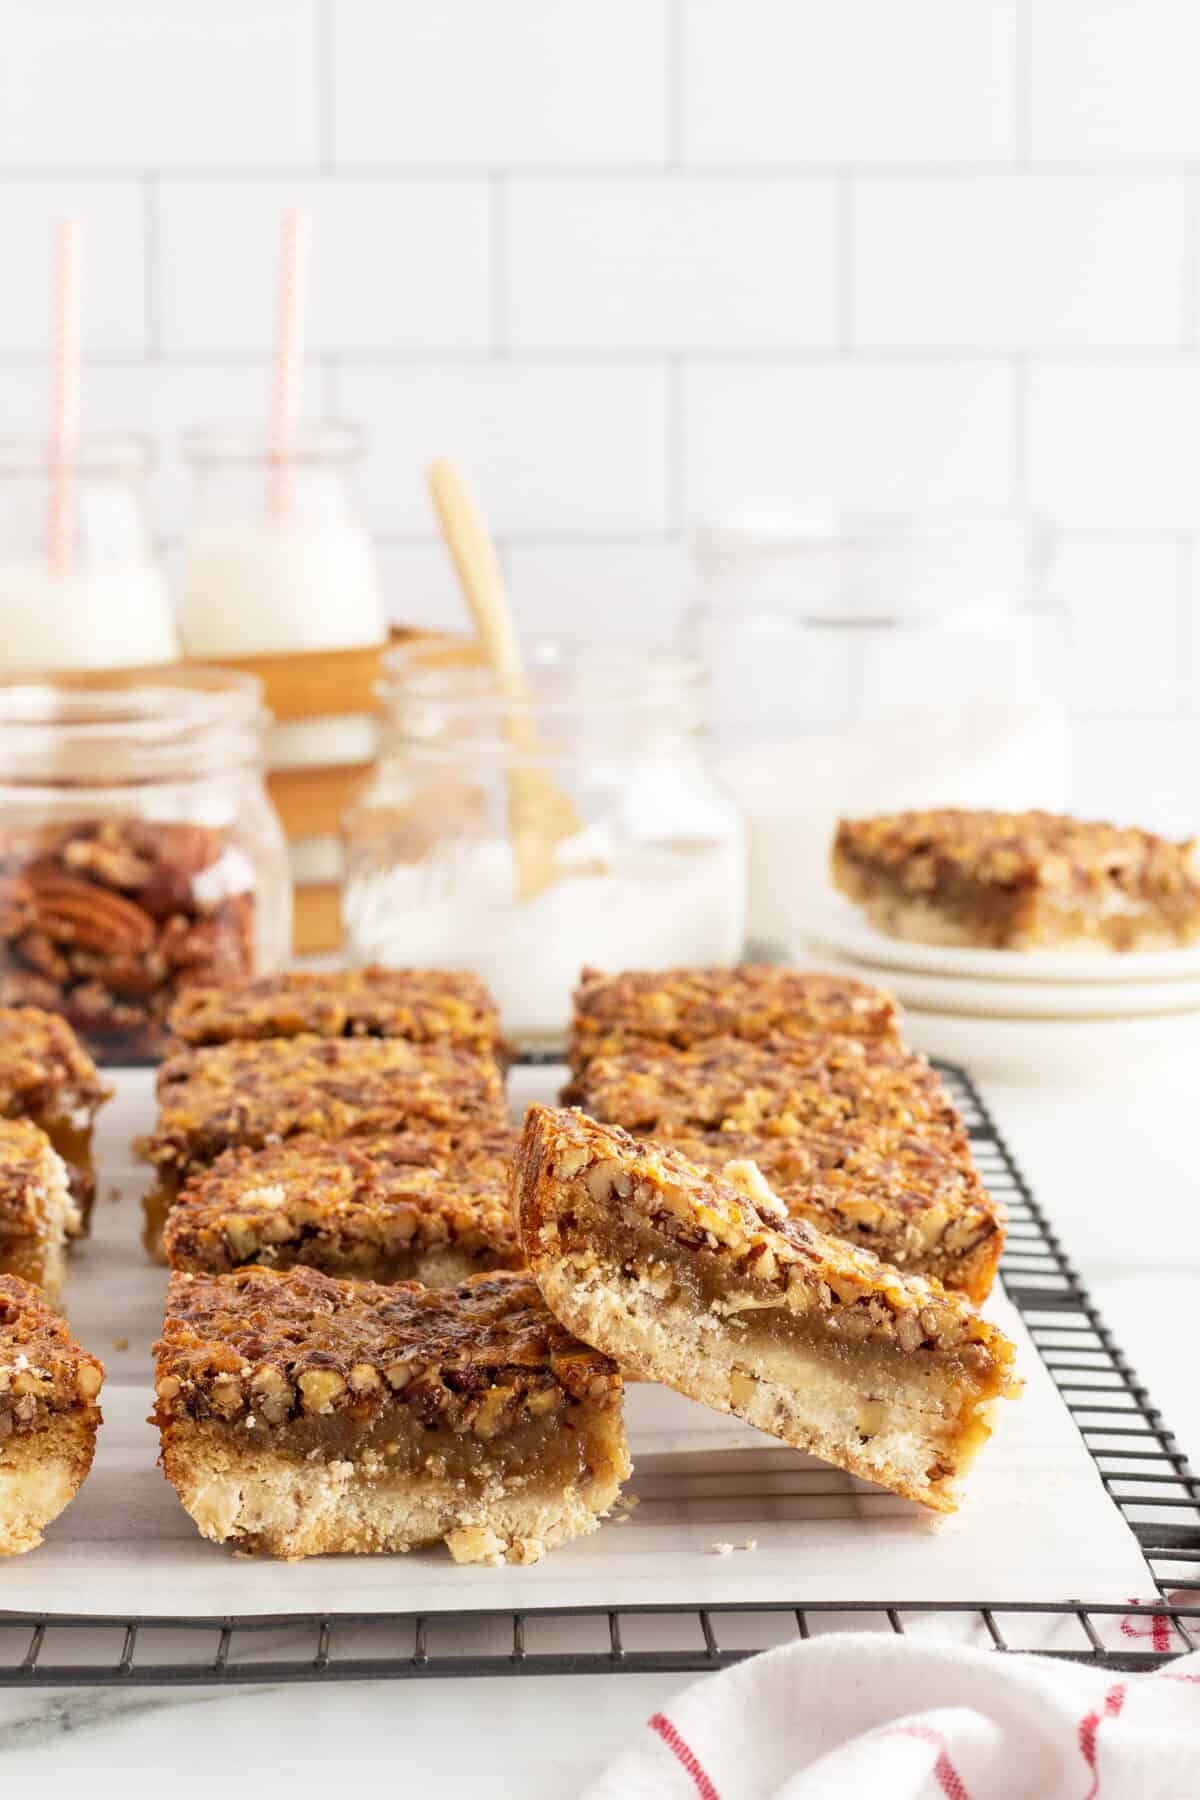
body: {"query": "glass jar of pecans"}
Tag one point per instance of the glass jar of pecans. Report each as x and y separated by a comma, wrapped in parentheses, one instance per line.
(139, 852)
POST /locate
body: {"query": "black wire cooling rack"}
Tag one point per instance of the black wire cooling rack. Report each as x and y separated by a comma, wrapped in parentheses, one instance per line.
(1139, 1461)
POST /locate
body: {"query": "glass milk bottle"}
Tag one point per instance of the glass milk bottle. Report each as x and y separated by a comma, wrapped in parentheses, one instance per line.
(107, 606)
(277, 559)
(871, 664)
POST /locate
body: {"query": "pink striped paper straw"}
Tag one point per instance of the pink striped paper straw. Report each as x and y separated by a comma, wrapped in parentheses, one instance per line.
(64, 426)
(289, 353)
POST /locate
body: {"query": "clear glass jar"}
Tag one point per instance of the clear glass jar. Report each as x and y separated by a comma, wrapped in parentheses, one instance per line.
(865, 665)
(277, 559)
(138, 850)
(109, 607)
(603, 764)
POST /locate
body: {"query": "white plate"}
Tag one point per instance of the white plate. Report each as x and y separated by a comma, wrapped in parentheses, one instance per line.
(1013, 999)
(1103, 1053)
(835, 922)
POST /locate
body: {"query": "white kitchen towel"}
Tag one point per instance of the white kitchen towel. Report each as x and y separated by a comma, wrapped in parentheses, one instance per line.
(859, 1714)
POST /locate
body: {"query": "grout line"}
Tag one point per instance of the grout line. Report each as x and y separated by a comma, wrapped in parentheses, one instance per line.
(325, 82)
(1115, 165)
(152, 248)
(1186, 358)
(1022, 75)
(498, 258)
(1019, 468)
(844, 227)
(674, 446)
(674, 84)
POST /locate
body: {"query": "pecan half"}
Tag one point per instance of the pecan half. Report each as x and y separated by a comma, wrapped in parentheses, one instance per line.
(71, 911)
(16, 905)
(35, 948)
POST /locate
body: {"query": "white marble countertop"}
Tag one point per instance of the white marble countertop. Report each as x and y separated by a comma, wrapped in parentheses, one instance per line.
(1114, 1165)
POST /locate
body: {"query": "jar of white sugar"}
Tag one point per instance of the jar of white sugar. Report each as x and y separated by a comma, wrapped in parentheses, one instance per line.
(524, 833)
(872, 664)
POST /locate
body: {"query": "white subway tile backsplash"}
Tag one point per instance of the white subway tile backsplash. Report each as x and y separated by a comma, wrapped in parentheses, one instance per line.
(420, 588)
(1116, 444)
(473, 82)
(619, 593)
(638, 263)
(112, 215)
(395, 265)
(1018, 261)
(554, 447)
(1123, 602)
(673, 263)
(774, 82)
(1116, 79)
(139, 84)
(855, 433)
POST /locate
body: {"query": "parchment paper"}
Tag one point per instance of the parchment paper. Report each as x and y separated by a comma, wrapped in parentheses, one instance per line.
(1037, 1524)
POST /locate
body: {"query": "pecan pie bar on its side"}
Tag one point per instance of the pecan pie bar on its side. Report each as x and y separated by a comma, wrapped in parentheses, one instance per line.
(221, 1096)
(858, 1137)
(300, 1415)
(48, 1077)
(755, 1002)
(393, 1208)
(48, 1415)
(688, 1280)
(37, 1213)
(1019, 881)
(427, 1006)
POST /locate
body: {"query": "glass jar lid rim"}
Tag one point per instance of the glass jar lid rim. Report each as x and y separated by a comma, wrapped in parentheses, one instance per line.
(152, 708)
(556, 675)
(101, 453)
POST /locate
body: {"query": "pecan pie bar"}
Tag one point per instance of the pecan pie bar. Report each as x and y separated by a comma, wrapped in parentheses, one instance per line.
(300, 1415)
(689, 1280)
(399, 1208)
(37, 1213)
(684, 1007)
(918, 1205)
(47, 1077)
(819, 1084)
(220, 1096)
(48, 1415)
(427, 1006)
(858, 1137)
(1019, 881)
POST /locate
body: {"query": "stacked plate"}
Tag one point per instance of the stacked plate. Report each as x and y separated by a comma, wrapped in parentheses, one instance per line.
(1036, 1011)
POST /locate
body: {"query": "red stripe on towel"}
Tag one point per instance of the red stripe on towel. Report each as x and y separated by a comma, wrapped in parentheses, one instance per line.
(1090, 1724)
(684, 1755)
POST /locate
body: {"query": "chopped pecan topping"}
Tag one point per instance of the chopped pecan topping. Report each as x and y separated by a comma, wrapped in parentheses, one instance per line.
(42, 1368)
(255, 1093)
(756, 1003)
(477, 1357)
(424, 1005)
